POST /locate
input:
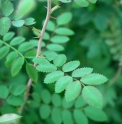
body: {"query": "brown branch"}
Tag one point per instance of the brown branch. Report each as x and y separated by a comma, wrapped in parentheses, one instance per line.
(37, 54)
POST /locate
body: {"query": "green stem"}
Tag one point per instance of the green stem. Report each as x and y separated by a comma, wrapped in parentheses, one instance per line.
(13, 49)
(116, 76)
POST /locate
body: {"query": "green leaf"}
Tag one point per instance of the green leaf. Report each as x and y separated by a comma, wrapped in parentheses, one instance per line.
(3, 92)
(24, 8)
(73, 90)
(67, 105)
(82, 3)
(30, 54)
(46, 67)
(52, 77)
(17, 65)
(56, 100)
(35, 42)
(93, 79)
(92, 1)
(80, 117)
(46, 36)
(79, 102)
(9, 119)
(92, 96)
(55, 47)
(17, 40)
(44, 111)
(50, 55)
(60, 60)
(15, 100)
(7, 8)
(67, 117)
(34, 104)
(30, 21)
(5, 24)
(18, 23)
(65, 1)
(96, 114)
(64, 18)
(50, 26)
(8, 36)
(4, 51)
(32, 72)
(10, 58)
(41, 61)
(70, 66)
(19, 90)
(56, 115)
(59, 39)
(64, 31)
(25, 46)
(45, 96)
(62, 83)
(101, 21)
(36, 97)
(80, 72)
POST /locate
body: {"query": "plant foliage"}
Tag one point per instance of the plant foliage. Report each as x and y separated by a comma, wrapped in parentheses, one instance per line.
(69, 54)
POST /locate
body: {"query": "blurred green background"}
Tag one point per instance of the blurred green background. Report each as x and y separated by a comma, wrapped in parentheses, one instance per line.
(97, 43)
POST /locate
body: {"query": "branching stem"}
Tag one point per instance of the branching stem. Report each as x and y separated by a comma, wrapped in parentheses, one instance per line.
(38, 53)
